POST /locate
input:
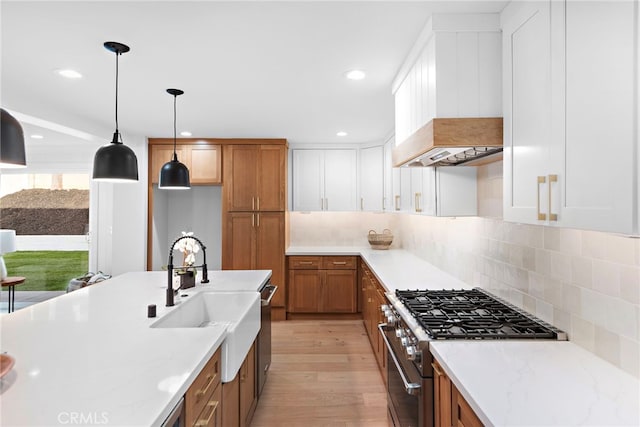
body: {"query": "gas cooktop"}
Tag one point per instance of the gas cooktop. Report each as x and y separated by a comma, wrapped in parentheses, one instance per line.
(472, 314)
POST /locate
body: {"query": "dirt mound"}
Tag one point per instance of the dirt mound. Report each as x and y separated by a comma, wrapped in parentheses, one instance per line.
(38, 198)
(46, 212)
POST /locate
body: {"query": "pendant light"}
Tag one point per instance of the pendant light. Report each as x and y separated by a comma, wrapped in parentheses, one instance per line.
(174, 175)
(12, 142)
(115, 162)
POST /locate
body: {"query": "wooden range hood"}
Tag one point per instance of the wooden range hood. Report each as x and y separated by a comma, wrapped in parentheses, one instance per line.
(452, 141)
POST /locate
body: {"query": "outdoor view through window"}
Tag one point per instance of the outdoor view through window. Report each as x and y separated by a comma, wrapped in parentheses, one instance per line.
(50, 214)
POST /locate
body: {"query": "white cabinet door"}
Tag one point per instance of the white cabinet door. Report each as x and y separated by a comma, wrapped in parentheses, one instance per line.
(387, 196)
(308, 180)
(371, 178)
(340, 180)
(405, 190)
(428, 199)
(527, 109)
(417, 201)
(596, 189)
(456, 191)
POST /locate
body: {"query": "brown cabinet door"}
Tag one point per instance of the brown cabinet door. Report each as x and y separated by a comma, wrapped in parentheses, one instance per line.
(231, 402)
(304, 291)
(206, 164)
(239, 245)
(161, 154)
(240, 177)
(270, 250)
(442, 396)
(248, 396)
(339, 291)
(463, 415)
(271, 178)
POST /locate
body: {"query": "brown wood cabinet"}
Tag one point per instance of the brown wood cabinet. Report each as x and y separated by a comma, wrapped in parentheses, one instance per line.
(322, 284)
(239, 397)
(255, 241)
(255, 178)
(372, 296)
(463, 415)
(442, 396)
(203, 161)
(203, 400)
(254, 199)
(248, 387)
(450, 408)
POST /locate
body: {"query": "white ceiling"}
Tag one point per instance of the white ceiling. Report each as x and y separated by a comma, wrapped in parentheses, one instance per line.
(248, 68)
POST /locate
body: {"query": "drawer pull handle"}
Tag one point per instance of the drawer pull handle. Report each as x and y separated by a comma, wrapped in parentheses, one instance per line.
(541, 216)
(397, 203)
(214, 405)
(305, 262)
(339, 262)
(201, 393)
(552, 216)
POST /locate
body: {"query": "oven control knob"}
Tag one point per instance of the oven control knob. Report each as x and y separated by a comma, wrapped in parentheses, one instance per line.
(391, 320)
(399, 332)
(413, 354)
(404, 341)
(384, 308)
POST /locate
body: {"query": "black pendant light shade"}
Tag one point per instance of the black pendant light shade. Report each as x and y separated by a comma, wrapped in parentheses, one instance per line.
(115, 161)
(173, 174)
(12, 143)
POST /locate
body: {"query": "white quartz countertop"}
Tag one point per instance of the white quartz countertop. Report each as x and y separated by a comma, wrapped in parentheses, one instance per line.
(90, 355)
(539, 383)
(394, 268)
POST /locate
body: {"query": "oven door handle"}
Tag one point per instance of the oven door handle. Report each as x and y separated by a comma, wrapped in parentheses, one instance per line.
(410, 388)
(267, 301)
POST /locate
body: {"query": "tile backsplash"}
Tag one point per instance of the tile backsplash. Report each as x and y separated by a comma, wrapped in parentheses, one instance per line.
(584, 282)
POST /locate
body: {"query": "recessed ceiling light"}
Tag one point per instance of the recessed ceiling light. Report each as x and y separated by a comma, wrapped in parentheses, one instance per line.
(70, 74)
(36, 136)
(355, 75)
(185, 133)
(341, 133)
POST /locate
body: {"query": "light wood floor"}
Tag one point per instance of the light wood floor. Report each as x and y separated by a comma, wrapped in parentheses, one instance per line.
(323, 373)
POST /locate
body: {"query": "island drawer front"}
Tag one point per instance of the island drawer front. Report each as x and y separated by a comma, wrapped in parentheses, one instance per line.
(304, 262)
(339, 262)
(202, 388)
(211, 415)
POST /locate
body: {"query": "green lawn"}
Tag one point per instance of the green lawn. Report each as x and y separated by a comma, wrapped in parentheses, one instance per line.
(46, 270)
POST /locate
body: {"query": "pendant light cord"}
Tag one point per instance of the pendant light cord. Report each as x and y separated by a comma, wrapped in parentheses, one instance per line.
(117, 131)
(175, 156)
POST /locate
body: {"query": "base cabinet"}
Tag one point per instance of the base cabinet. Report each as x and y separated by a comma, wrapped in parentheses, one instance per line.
(239, 397)
(372, 298)
(450, 408)
(203, 400)
(322, 284)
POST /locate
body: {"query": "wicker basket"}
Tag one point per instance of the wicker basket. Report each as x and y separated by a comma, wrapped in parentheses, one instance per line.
(380, 241)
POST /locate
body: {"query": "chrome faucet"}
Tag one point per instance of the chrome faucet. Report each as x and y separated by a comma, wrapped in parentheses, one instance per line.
(205, 275)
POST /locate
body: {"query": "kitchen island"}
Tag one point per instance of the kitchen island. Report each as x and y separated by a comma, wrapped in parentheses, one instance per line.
(91, 354)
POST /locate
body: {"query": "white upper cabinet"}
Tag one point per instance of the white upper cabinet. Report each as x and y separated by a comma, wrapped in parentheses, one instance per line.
(453, 70)
(570, 92)
(324, 180)
(371, 178)
(387, 196)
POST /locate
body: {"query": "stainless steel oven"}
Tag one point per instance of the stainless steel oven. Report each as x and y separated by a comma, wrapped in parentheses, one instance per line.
(409, 395)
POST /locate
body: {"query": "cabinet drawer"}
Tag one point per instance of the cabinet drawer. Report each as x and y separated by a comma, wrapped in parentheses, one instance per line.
(211, 415)
(203, 387)
(339, 262)
(304, 262)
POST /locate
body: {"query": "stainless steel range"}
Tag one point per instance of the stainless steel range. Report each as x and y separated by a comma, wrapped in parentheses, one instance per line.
(415, 318)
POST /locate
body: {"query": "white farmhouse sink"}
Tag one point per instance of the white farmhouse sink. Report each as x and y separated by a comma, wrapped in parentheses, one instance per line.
(239, 310)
